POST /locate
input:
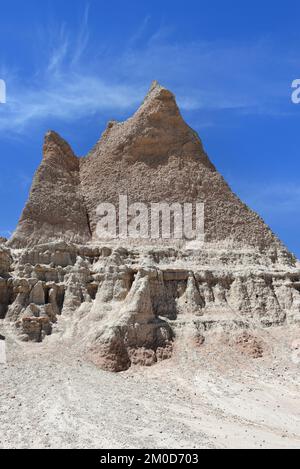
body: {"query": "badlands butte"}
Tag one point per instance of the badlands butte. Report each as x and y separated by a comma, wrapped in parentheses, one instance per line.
(137, 302)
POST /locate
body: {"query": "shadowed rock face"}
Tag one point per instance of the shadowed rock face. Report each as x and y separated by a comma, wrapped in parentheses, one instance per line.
(139, 303)
(154, 156)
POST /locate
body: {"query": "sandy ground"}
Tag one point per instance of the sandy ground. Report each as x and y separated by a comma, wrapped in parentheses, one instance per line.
(215, 397)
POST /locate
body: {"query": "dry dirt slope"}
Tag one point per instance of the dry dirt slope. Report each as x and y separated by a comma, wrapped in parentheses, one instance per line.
(214, 398)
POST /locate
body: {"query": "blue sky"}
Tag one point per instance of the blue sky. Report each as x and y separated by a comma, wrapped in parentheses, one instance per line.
(72, 66)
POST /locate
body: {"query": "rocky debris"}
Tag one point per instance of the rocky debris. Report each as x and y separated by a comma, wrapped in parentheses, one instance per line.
(134, 303)
(35, 322)
(249, 345)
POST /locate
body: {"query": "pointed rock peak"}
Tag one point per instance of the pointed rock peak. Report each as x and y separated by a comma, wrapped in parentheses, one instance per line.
(154, 85)
(54, 144)
(53, 137)
(158, 105)
(158, 92)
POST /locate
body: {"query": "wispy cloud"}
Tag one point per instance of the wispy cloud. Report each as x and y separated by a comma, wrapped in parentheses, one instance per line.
(60, 51)
(83, 36)
(66, 96)
(139, 33)
(216, 75)
(205, 76)
(281, 197)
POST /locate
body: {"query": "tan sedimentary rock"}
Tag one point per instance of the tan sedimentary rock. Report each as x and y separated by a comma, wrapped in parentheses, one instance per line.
(152, 157)
(130, 302)
(155, 156)
(55, 209)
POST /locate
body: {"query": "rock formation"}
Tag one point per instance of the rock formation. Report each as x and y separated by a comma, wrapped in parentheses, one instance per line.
(152, 157)
(55, 208)
(129, 302)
